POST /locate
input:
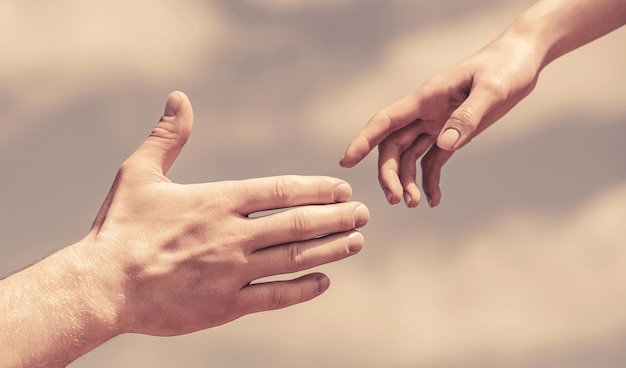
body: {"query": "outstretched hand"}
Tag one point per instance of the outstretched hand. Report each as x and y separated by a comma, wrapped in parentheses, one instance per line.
(442, 116)
(187, 256)
(168, 259)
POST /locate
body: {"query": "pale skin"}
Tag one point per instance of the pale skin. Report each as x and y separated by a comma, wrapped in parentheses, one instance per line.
(449, 110)
(169, 259)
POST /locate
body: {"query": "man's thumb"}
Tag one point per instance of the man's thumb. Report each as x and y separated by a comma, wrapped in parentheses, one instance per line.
(170, 134)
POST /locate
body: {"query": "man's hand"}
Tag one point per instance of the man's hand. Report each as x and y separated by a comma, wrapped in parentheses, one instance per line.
(188, 254)
(169, 259)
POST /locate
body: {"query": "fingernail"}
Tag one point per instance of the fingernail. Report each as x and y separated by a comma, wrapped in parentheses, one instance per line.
(173, 103)
(361, 216)
(355, 242)
(342, 193)
(322, 283)
(448, 139)
(407, 198)
(387, 194)
(430, 200)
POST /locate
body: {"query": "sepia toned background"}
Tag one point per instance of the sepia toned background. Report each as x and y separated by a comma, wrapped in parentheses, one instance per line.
(522, 265)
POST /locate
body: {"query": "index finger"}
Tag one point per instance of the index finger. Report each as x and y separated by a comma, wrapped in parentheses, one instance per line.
(380, 126)
(285, 191)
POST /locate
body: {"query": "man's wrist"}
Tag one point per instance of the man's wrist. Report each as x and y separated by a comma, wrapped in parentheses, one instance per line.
(91, 286)
(59, 308)
(99, 280)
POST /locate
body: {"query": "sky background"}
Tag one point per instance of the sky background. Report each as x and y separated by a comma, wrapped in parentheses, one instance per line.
(522, 265)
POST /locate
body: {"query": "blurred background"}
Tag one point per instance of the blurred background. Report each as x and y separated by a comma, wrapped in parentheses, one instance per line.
(522, 265)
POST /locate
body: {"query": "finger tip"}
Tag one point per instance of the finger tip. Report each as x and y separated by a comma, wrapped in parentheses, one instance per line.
(434, 201)
(173, 103)
(178, 93)
(178, 105)
(397, 196)
(388, 194)
(412, 195)
(342, 192)
(414, 203)
(357, 150)
(345, 163)
(323, 282)
(350, 158)
(355, 242)
(361, 215)
(407, 198)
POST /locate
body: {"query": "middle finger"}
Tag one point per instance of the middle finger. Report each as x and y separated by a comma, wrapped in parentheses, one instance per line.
(408, 168)
(389, 152)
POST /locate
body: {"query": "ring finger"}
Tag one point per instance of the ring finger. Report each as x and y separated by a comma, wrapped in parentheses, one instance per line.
(302, 255)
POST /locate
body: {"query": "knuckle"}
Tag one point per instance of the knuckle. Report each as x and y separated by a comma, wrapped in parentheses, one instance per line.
(126, 169)
(431, 85)
(498, 89)
(397, 144)
(165, 130)
(409, 156)
(323, 189)
(282, 188)
(127, 165)
(295, 258)
(347, 219)
(301, 223)
(382, 119)
(464, 117)
(277, 299)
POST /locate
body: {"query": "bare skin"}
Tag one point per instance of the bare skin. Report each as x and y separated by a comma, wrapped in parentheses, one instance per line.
(446, 112)
(168, 259)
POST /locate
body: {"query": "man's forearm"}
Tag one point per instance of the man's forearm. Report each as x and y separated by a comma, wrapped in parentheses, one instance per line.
(54, 311)
(560, 26)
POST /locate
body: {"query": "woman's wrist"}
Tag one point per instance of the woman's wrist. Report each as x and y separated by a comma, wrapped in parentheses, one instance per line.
(533, 34)
(556, 27)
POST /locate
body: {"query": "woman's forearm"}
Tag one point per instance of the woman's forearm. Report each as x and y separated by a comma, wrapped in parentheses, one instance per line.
(557, 27)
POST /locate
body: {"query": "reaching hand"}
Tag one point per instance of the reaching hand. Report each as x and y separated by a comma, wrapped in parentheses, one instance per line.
(442, 116)
(169, 259)
(187, 255)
